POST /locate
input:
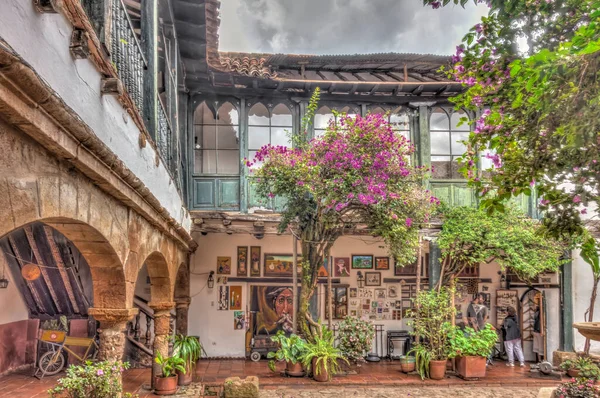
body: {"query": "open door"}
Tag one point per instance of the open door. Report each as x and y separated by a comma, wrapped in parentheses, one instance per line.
(533, 325)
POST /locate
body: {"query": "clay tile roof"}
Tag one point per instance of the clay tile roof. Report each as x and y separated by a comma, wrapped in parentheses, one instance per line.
(247, 65)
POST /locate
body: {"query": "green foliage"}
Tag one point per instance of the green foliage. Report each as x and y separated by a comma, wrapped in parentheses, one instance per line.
(422, 359)
(587, 368)
(62, 323)
(326, 354)
(187, 348)
(355, 337)
(91, 380)
(471, 237)
(471, 343)
(169, 365)
(291, 349)
(589, 253)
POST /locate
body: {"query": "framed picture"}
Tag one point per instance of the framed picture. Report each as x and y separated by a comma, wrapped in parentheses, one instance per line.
(235, 298)
(223, 265)
(339, 302)
(380, 293)
(372, 278)
(341, 267)
(280, 265)
(239, 320)
(362, 261)
(324, 270)
(393, 291)
(255, 261)
(382, 263)
(242, 261)
(353, 292)
(223, 298)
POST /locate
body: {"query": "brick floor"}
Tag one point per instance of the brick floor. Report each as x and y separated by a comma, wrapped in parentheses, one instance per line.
(382, 374)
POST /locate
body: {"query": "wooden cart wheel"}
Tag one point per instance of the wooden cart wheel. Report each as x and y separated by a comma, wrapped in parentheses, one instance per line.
(255, 356)
(51, 363)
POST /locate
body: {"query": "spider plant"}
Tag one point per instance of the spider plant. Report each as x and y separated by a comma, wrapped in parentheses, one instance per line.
(325, 354)
(187, 348)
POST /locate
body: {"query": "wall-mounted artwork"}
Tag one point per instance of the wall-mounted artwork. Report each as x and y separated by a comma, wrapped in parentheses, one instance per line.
(393, 291)
(223, 304)
(339, 302)
(341, 267)
(224, 265)
(353, 292)
(372, 278)
(235, 297)
(239, 320)
(382, 263)
(380, 294)
(362, 261)
(280, 265)
(323, 271)
(242, 261)
(255, 261)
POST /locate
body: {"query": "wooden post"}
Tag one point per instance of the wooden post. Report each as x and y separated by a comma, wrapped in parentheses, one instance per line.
(150, 48)
(295, 284)
(329, 291)
(244, 181)
(419, 265)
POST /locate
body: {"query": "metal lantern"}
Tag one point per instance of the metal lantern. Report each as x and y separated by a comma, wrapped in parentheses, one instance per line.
(211, 280)
(3, 283)
(360, 279)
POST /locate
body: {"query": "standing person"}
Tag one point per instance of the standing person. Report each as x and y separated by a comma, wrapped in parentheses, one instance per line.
(513, 338)
(477, 313)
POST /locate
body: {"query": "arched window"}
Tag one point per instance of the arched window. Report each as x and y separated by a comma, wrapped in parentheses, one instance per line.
(325, 114)
(266, 127)
(398, 118)
(446, 142)
(216, 141)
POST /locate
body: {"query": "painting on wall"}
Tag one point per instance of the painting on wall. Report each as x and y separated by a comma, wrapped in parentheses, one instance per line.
(382, 263)
(393, 291)
(242, 261)
(341, 267)
(255, 261)
(362, 261)
(323, 273)
(380, 294)
(239, 320)
(372, 278)
(223, 304)
(280, 265)
(235, 297)
(353, 292)
(224, 265)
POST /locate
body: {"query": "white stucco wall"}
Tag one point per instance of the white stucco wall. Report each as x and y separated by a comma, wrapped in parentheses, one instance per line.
(43, 41)
(215, 327)
(13, 306)
(582, 290)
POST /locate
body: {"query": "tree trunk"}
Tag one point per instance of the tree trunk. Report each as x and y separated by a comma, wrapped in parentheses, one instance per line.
(586, 348)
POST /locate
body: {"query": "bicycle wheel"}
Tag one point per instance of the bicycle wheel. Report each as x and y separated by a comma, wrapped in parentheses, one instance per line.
(51, 363)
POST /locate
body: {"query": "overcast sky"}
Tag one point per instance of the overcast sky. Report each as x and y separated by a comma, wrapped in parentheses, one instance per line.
(343, 26)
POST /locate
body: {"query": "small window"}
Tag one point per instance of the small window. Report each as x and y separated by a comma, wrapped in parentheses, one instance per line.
(216, 140)
(447, 142)
(266, 127)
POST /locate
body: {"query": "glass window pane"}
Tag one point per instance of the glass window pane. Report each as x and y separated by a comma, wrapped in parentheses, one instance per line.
(251, 155)
(203, 115)
(207, 161)
(399, 119)
(322, 118)
(440, 142)
(350, 111)
(257, 137)
(441, 166)
(282, 116)
(205, 137)
(455, 173)
(456, 116)
(439, 120)
(458, 148)
(228, 137)
(229, 162)
(258, 115)
(377, 110)
(279, 136)
(228, 114)
(319, 133)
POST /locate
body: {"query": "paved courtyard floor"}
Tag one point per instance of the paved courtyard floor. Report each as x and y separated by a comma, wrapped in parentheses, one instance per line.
(383, 379)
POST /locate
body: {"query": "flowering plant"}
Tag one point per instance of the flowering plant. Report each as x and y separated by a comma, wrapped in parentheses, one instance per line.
(92, 380)
(355, 337)
(577, 388)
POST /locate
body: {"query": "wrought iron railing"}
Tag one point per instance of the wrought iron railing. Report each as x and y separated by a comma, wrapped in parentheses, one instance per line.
(126, 54)
(164, 136)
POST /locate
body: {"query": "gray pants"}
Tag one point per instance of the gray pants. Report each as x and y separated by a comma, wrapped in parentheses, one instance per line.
(512, 347)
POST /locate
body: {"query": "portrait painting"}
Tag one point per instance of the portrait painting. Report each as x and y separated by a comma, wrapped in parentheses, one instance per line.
(372, 278)
(341, 267)
(255, 261)
(223, 265)
(382, 263)
(235, 297)
(280, 265)
(242, 261)
(362, 261)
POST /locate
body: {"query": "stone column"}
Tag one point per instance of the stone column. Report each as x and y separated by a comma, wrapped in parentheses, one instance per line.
(113, 322)
(162, 332)
(181, 313)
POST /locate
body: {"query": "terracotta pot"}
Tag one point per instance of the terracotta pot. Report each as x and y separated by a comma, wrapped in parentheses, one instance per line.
(437, 369)
(573, 372)
(294, 369)
(185, 379)
(165, 385)
(471, 367)
(323, 374)
(407, 364)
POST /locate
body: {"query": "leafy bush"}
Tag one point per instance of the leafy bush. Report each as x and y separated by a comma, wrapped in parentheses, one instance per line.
(355, 337)
(326, 354)
(169, 365)
(187, 348)
(471, 343)
(587, 369)
(577, 388)
(291, 349)
(92, 380)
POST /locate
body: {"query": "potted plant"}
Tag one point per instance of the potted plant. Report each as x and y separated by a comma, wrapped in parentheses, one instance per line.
(166, 384)
(322, 357)
(577, 388)
(189, 349)
(431, 316)
(581, 367)
(355, 337)
(471, 350)
(99, 380)
(407, 363)
(291, 349)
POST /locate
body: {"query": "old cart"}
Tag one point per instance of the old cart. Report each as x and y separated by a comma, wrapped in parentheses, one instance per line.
(53, 361)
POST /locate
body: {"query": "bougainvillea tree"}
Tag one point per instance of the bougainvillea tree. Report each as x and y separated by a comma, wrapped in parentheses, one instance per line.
(357, 174)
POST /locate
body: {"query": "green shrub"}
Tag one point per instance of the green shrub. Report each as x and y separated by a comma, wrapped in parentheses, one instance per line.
(291, 349)
(92, 380)
(355, 337)
(471, 343)
(326, 354)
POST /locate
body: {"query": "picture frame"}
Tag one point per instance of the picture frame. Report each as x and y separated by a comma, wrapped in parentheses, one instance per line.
(223, 265)
(242, 261)
(353, 292)
(341, 267)
(381, 293)
(280, 265)
(362, 261)
(255, 260)
(382, 263)
(393, 291)
(372, 278)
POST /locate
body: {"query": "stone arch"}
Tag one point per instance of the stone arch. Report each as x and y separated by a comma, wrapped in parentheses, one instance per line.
(161, 285)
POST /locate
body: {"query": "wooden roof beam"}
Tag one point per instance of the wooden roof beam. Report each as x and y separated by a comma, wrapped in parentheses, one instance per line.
(332, 88)
(356, 75)
(418, 90)
(374, 89)
(342, 77)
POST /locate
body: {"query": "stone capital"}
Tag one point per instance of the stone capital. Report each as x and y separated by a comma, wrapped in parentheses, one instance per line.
(161, 306)
(183, 302)
(112, 316)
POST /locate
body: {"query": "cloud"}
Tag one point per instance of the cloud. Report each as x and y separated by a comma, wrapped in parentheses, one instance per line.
(343, 26)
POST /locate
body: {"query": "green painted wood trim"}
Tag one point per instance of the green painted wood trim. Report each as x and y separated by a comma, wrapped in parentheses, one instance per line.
(435, 268)
(567, 306)
(243, 154)
(424, 147)
(149, 43)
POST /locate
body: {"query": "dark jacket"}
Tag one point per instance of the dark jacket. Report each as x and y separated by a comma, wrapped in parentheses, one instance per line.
(511, 325)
